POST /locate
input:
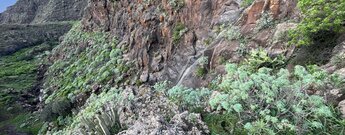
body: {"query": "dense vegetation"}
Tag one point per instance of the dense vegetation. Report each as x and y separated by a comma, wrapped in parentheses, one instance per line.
(84, 66)
(278, 102)
(18, 77)
(98, 117)
(264, 101)
(260, 96)
(87, 75)
(319, 17)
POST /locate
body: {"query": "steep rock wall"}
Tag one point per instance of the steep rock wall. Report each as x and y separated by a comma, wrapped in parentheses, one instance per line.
(40, 11)
(148, 28)
(166, 38)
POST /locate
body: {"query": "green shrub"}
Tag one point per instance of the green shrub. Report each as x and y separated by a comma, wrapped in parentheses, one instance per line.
(19, 119)
(18, 68)
(98, 117)
(270, 102)
(189, 98)
(232, 33)
(22, 65)
(265, 21)
(18, 77)
(223, 124)
(319, 16)
(58, 107)
(243, 47)
(214, 84)
(161, 86)
(203, 61)
(246, 3)
(200, 71)
(61, 106)
(89, 59)
(208, 41)
(176, 4)
(260, 58)
(96, 63)
(179, 30)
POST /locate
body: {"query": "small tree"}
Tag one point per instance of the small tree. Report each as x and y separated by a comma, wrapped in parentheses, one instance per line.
(318, 16)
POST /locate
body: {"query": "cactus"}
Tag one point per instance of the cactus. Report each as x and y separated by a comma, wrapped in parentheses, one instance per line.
(99, 115)
(102, 125)
(107, 119)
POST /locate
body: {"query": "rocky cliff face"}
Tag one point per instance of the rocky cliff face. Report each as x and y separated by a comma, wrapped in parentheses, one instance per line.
(166, 38)
(40, 11)
(15, 37)
(162, 40)
(114, 72)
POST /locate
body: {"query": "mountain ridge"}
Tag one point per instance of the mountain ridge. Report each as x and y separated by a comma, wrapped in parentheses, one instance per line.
(42, 11)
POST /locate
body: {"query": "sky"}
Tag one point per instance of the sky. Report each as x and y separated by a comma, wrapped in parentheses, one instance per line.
(5, 3)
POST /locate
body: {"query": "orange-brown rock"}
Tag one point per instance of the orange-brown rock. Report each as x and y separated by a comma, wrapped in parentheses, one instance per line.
(254, 12)
(149, 26)
(278, 9)
(225, 51)
(274, 8)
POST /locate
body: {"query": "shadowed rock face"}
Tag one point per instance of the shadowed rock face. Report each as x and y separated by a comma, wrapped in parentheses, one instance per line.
(16, 37)
(40, 11)
(148, 28)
